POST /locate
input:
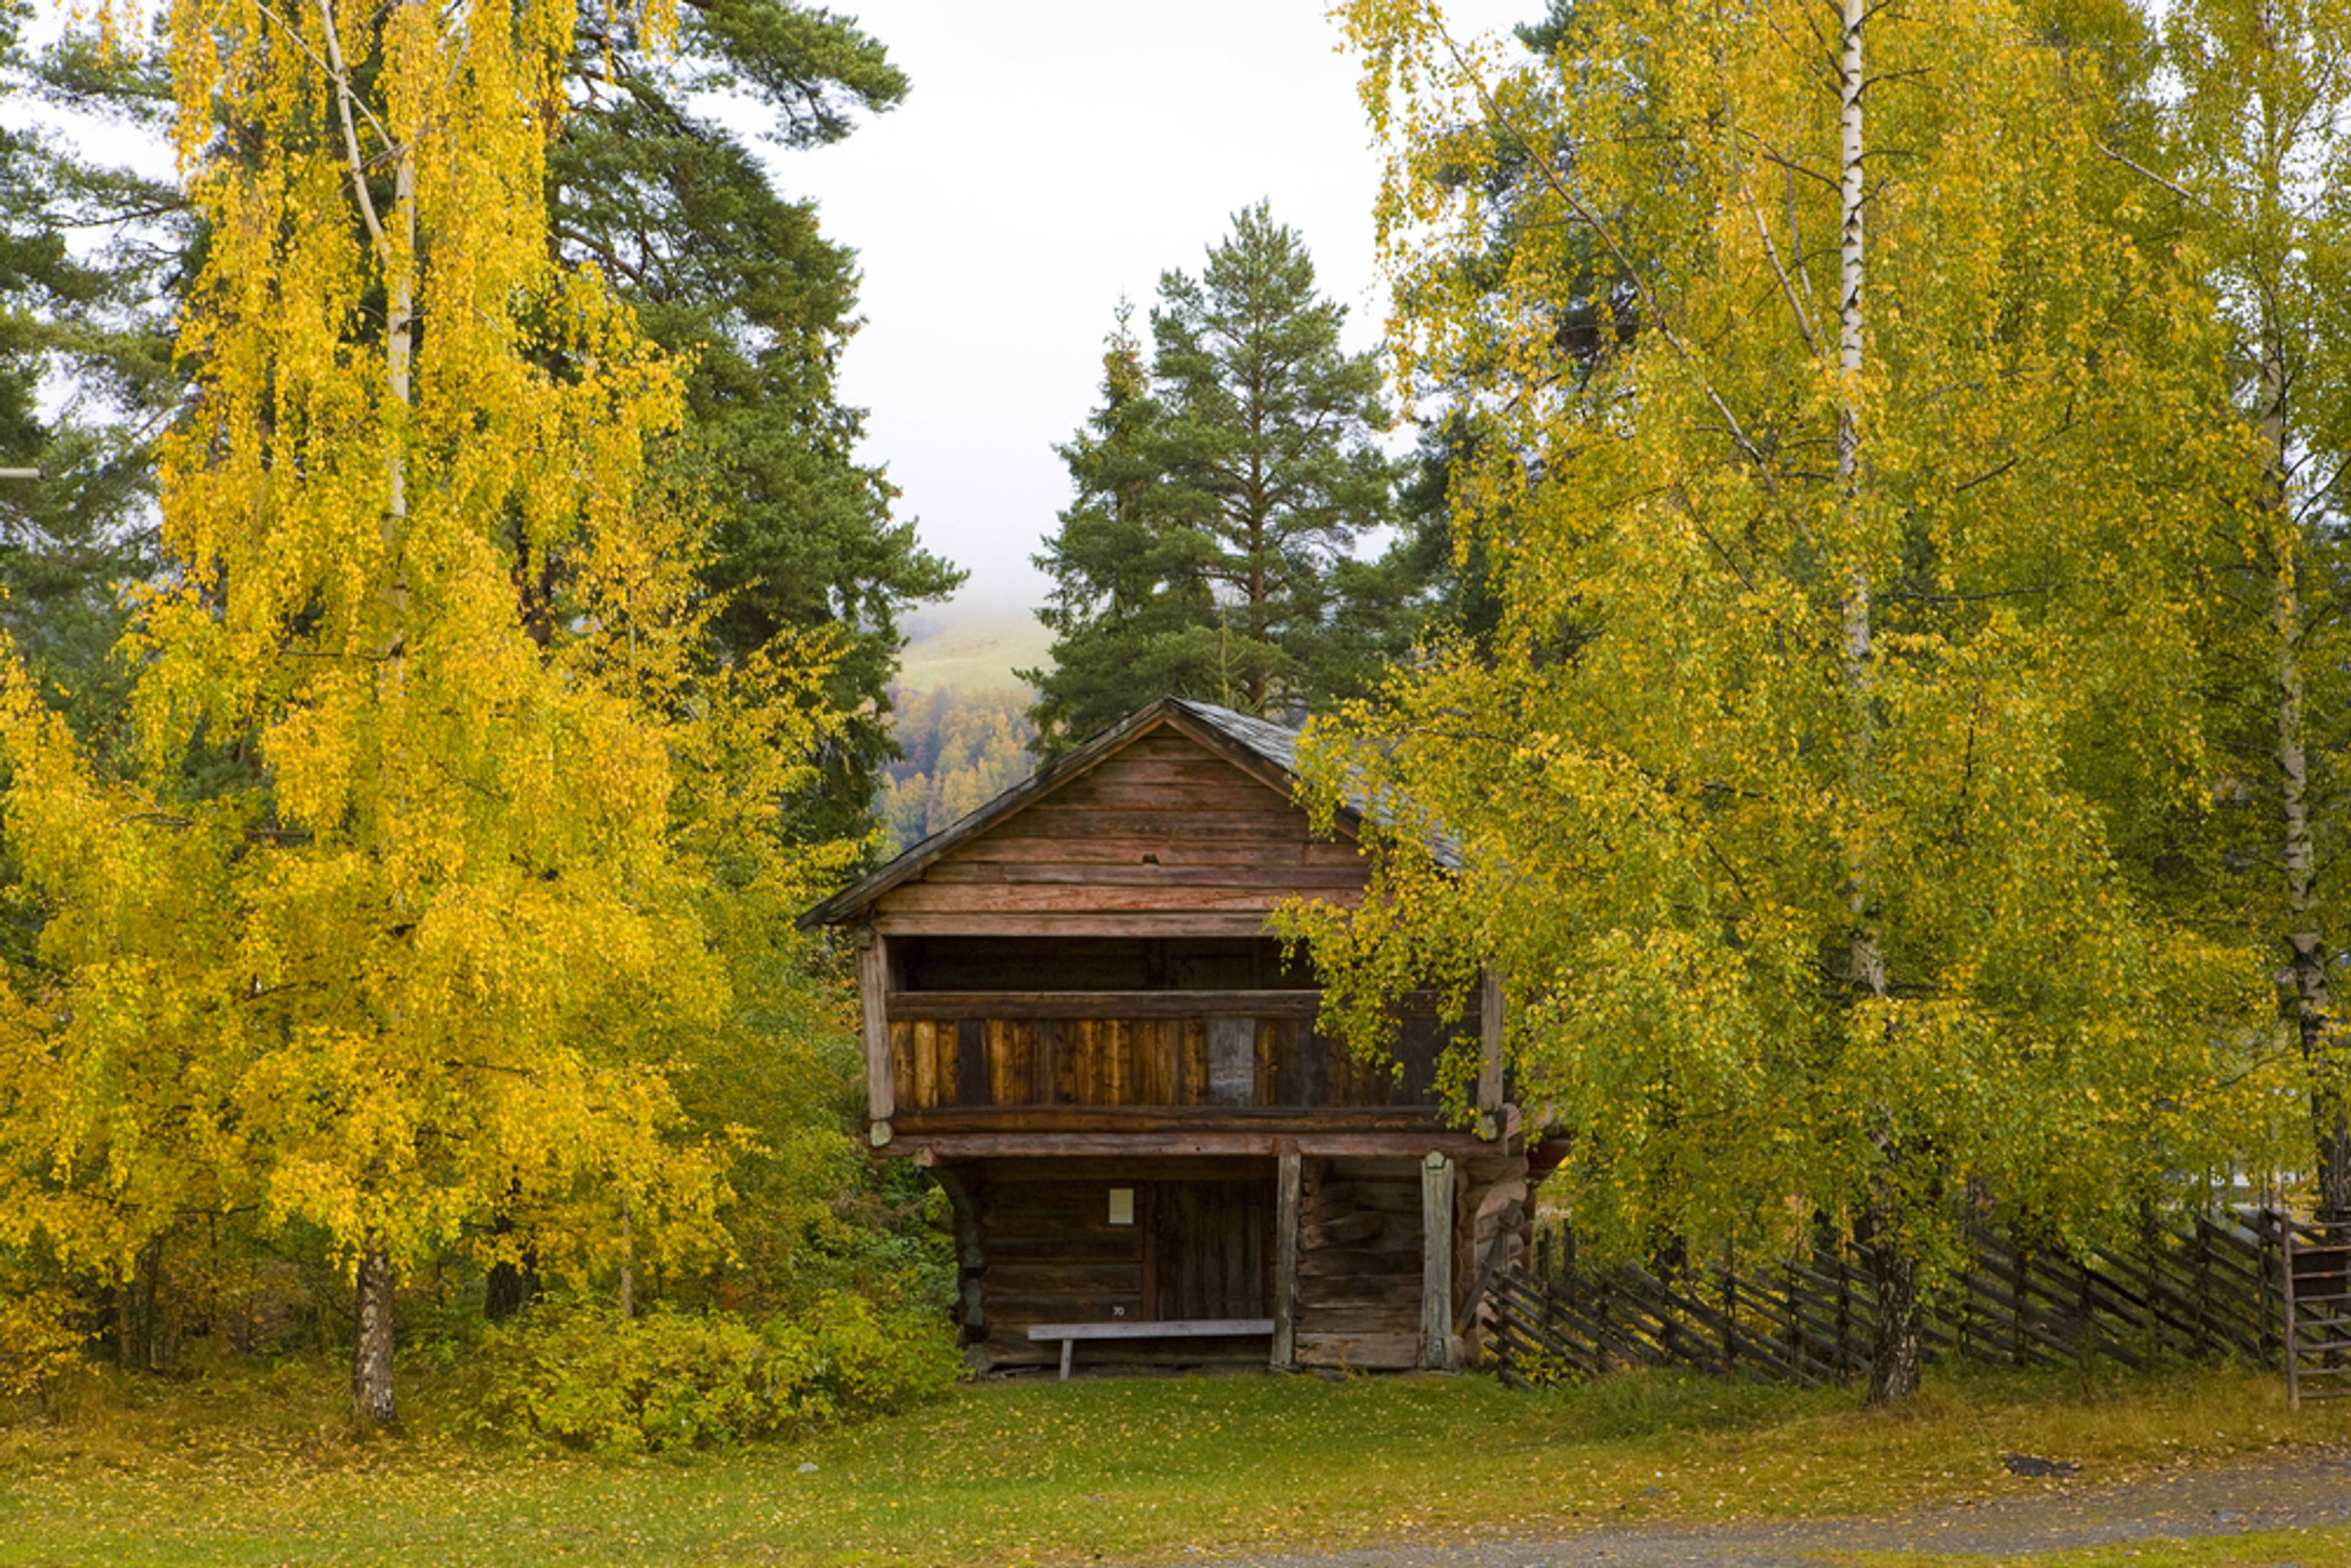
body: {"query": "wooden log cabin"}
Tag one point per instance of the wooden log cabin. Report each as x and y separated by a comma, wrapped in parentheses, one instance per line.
(1075, 1017)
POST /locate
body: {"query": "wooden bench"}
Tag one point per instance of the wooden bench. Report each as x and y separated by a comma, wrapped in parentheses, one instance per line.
(1173, 1328)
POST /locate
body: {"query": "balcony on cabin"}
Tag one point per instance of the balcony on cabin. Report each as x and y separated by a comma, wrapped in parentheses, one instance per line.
(1107, 1035)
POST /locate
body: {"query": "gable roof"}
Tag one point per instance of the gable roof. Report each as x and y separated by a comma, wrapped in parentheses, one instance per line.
(1266, 751)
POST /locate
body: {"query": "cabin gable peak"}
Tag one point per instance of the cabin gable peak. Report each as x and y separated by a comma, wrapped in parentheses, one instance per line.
(1118, 772)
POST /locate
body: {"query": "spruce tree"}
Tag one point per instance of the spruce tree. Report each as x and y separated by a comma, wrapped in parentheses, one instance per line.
(88, 324)
(1220, 496)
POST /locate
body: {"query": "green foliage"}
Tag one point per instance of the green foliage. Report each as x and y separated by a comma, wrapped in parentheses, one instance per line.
(39, 1341)
(655, 181)
(85, 255)
(1220, 494)
(755, 492)
(2244, 160)
(962, 749)
(805, 1210)
(449, 840)
(664, 196)
(1789, 785)
(583, 1376)
(1462, 606)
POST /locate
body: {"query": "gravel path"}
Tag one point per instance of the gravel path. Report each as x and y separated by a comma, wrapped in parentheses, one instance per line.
(2264, 1494)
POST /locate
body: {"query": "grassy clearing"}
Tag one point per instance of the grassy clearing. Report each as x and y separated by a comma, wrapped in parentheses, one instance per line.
(257, 1467)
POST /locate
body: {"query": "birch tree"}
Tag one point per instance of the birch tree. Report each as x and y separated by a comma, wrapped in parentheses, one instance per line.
(1831, 644)
(443, 835)
(2250, 164)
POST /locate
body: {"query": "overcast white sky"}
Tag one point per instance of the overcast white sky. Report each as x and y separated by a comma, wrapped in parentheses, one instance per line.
(1053, 155)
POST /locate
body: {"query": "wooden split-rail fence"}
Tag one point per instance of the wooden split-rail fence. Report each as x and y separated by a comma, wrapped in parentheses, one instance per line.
(2246, 1283)
(2315, 1281)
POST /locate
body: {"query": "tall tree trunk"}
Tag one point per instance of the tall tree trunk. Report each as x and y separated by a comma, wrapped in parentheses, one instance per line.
(136, 1342)
(371, 1405)
(1894, 1356)
(1868, 964)
(510, 1286)
(1894, 1362)
(371, 1401)
(2310, 1000)
(1867, 961)
(628, 1262)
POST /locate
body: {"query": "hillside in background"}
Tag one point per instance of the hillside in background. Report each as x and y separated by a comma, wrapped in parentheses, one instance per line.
(964, 747)
(947, 649)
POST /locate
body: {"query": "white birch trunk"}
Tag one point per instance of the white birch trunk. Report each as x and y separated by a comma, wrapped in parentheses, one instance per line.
(1868, 963)
(371, 1344)
(371, 1348)
(2313, 1003)
(1894, 1362)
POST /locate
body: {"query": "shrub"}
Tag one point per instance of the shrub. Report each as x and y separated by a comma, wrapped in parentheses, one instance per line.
(582, 1375)
(37, 1345)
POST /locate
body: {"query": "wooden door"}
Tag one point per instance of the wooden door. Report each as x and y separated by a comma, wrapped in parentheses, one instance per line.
(1209, 1250)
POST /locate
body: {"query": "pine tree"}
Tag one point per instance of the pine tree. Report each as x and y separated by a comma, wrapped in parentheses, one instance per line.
(741, 282)
(1210, 548)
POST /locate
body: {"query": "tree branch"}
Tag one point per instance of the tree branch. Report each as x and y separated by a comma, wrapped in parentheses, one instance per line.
(343, 102)
(1592, 220)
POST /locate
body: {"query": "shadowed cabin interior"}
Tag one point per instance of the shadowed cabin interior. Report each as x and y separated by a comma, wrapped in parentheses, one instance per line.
(1076, 1017)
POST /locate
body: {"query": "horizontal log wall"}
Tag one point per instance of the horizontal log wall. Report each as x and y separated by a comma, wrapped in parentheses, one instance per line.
(1359, 1264)
(1040, 1249)
(1164, 826)
(1046, 1252)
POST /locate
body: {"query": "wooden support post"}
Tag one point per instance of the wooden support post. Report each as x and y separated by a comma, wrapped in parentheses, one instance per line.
(1436, 1260)
(1729, 1304)
(1490, 1067)
(2269, 1262)
(2285, 1291)
(971, 1259)
(1844, 1310)
(2020, 1280)
(2203, 1285)
(1288, 1184)
(873, 992)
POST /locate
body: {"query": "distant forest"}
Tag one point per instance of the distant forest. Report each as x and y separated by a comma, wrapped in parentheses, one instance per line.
(963, 748)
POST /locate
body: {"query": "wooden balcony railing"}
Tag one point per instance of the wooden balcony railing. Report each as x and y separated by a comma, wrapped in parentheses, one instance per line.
(1235, 1050)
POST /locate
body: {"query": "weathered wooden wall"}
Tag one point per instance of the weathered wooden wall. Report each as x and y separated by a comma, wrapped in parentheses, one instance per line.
(1046, 1253)
(1359, 1264)
(1042, 1250)
(1109, 1062)
(1084, 995)
(1163, 828)
(1015, 964)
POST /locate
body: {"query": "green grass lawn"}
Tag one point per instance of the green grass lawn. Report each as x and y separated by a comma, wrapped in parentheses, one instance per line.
(257, 1467)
